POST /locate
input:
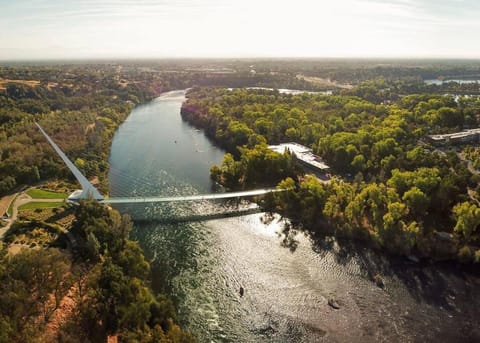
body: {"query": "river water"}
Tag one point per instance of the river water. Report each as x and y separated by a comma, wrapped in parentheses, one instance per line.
(202, 265)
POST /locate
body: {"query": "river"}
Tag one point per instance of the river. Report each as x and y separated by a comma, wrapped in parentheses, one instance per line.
(202, 265)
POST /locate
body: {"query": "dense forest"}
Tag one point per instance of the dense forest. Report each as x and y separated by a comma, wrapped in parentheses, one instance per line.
(80, 108)
(107, 278)
(392, 188)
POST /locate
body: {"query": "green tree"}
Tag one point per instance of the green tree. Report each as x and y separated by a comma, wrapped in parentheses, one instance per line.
(467, 216)
(416, 200)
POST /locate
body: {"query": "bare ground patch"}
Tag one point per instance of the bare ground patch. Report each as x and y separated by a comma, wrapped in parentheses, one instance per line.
(30, 83)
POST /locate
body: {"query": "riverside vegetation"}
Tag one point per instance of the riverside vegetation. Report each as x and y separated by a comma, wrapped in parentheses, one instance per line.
(402, 194)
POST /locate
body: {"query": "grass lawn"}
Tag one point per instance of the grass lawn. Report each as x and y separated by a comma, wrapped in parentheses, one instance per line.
(35, 205)
(36, 193)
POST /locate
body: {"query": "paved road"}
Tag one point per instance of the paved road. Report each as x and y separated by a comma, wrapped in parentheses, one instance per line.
(5, 203)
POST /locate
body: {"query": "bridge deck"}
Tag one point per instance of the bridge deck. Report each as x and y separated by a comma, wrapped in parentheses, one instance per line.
(189, 197)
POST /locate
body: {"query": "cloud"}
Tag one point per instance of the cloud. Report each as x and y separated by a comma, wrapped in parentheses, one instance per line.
(246, 27)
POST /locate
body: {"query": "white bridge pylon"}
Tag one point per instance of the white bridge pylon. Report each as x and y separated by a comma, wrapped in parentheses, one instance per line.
(89, 191)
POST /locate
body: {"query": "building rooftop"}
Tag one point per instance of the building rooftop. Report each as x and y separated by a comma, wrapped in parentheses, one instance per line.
(303, 153)
(292, 147)
(454, 135)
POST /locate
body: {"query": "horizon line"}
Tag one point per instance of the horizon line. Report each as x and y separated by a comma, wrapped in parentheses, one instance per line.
(230, 58)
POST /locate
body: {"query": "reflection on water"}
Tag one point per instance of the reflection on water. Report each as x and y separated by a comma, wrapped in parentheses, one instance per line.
(202, 265)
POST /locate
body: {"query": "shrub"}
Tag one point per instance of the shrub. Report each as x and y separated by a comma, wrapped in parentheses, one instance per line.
(465, 254)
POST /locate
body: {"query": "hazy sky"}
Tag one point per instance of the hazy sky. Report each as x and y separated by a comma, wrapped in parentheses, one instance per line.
(35, 29)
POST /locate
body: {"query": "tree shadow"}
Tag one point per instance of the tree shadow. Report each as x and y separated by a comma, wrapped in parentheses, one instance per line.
(289, 233)
(60, 215)
(441, 284)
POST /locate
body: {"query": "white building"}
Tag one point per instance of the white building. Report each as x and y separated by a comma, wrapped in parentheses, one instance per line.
(304, 155)
(467, 136)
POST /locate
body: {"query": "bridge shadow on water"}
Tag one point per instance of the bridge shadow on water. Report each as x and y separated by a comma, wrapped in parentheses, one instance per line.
(195, 217)
(172, 213)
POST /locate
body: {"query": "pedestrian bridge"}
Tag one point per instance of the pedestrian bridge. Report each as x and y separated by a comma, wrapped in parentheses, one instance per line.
(200, 197)
(88, 191)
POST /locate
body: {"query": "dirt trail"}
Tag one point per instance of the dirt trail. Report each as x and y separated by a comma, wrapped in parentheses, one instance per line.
(5, 202)
(62, 314)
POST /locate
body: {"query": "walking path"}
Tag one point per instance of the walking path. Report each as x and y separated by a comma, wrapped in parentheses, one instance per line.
(22, 199)
(5, 203)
